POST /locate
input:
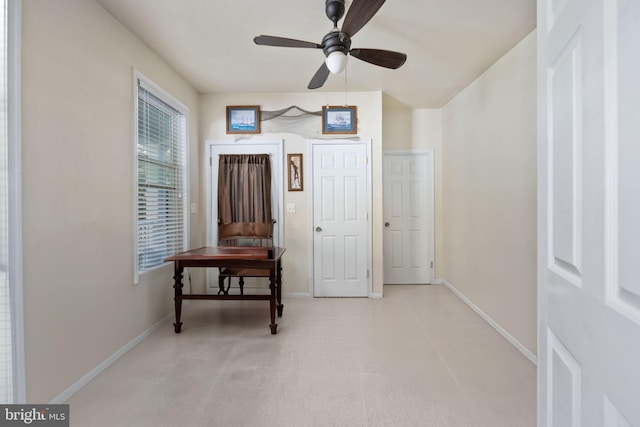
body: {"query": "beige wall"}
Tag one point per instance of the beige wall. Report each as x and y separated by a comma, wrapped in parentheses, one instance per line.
(489, 192)
(297, 229)
(80, 305)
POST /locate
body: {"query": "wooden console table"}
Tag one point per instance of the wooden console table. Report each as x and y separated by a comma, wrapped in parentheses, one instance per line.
(231, 257)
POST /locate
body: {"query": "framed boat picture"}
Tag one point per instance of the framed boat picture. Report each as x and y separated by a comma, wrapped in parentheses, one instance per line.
(243, 119)
(339, 120)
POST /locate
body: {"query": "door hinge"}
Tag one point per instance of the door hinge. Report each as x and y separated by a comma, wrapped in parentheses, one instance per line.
(210, 161)
(366, 160)
(367, 274)
(367, 216)
(431, 264)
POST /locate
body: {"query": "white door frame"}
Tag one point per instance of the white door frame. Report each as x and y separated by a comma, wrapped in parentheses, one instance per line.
(430, 199)
(277, 172)
(338, 142)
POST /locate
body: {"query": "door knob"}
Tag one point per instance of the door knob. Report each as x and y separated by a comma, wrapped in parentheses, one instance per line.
(318, 229)
(386, 224)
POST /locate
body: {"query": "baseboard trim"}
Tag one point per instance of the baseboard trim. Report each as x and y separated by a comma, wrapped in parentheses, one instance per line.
(296, 295)
(375, 295)
(74, 388)
(517, 344)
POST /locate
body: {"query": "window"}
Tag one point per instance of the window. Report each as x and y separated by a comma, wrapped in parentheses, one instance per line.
(161, 153)
(6, 353)
(12, 375)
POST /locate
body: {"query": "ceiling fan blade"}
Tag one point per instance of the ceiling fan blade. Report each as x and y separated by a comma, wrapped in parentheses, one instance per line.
(382, 58)
(360, 12)
(319, 77)
(283, 42)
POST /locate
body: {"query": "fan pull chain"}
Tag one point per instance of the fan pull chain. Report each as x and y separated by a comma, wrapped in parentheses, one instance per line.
(346, 91)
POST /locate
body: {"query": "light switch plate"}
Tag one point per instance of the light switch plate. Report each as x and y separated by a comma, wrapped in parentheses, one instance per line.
(291, 208)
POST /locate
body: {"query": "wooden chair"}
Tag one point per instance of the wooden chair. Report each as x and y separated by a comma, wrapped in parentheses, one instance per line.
(241, 273)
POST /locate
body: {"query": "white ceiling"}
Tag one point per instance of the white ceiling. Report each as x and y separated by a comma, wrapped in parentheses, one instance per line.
(210, 43)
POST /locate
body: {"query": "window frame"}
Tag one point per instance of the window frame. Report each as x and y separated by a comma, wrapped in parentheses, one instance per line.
(139, 79)
(14, 187)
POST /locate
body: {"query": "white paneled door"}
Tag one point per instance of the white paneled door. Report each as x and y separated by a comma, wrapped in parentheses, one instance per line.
(589, 213)
(408, 218)
(340, 220)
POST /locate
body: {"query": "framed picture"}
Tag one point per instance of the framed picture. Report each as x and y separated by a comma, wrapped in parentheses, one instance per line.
(294, 166)
(243, 119)
(339, 120)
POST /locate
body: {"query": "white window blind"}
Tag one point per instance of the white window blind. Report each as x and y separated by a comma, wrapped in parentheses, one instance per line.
(161, 177)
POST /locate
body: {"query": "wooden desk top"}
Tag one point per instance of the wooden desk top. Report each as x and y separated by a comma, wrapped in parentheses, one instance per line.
(228, 252)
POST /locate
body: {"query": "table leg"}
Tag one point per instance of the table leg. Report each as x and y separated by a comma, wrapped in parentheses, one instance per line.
(279, 288)
(272, 302)
(220, 283)
(177, 276)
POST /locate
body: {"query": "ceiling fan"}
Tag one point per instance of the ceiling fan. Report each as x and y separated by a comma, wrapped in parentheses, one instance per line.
(336, 44)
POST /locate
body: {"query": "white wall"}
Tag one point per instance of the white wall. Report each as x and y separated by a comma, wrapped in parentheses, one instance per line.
(297, 229)
(80, 305)
(489, 192)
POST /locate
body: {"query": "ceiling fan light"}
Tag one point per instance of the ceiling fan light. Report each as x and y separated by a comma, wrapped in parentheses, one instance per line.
(336, 62)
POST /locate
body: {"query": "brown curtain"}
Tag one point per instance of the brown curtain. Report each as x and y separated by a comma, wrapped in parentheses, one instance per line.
(244, 196)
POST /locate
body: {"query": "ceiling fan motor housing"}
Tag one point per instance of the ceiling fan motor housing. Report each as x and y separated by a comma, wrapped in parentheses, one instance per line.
(334, 10)
(335, 41)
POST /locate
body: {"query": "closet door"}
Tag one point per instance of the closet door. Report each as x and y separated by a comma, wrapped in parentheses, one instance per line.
(408, 218)
(340, 220)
